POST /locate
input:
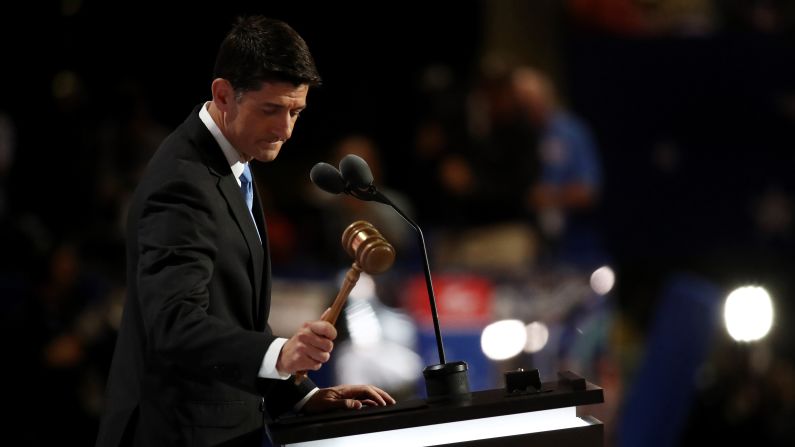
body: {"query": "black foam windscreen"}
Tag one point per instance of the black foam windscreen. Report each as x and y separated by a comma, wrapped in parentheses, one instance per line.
(356, 171)
(327, 178)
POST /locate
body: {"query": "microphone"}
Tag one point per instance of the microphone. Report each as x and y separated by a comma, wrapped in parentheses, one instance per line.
(356, 172)
(442, 381)
(327, 178)
(356, 179)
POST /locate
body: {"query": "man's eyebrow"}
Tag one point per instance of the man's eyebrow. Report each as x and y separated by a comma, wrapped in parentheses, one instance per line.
(282, 106)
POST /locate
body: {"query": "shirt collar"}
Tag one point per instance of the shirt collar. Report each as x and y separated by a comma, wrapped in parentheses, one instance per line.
(232, 156)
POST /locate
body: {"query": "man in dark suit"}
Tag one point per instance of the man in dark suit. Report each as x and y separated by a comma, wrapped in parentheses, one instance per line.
(195, 361)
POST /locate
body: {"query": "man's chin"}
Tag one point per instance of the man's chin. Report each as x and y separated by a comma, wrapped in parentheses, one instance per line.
(267, 155)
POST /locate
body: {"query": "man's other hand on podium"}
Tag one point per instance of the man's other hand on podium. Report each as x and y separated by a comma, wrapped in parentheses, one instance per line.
(349, 397)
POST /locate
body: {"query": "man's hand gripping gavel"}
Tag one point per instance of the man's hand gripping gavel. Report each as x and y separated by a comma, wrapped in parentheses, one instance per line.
(311, 346)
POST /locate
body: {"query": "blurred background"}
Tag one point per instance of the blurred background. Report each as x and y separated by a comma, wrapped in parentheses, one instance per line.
(606, 186)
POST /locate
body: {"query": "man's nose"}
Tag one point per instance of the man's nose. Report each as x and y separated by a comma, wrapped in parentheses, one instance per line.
(283, 127)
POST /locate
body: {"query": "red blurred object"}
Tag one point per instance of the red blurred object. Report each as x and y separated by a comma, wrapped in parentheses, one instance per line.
(461, 300)
(624, 17)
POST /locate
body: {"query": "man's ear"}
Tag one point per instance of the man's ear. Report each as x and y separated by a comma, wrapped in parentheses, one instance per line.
(223, 94)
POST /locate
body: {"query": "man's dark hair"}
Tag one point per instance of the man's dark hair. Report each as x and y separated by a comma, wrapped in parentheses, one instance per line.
(259, 49)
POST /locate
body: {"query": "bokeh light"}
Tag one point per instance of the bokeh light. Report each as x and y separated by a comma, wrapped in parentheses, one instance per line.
(602, 280)
(537, 337)
(748, 313)
(503, 339)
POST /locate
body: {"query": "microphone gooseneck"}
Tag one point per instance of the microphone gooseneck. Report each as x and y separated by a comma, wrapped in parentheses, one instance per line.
(379, 197)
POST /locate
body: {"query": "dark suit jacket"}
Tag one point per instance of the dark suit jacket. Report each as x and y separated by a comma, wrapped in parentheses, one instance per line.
(194, 330)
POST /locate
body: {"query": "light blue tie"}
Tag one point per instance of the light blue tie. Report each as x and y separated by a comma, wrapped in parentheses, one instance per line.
(247, 190)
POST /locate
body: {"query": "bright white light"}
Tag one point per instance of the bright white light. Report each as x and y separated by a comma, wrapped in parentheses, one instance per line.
(602, 280)
(460, 431)
(363, 324)
(503, 339)
(537, 336)
(748, 313)
(364, 288)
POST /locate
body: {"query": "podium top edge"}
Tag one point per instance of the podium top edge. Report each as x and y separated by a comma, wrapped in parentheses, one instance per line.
(411, 413)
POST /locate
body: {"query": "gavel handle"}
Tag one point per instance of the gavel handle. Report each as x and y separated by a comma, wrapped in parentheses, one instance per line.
(339, 303)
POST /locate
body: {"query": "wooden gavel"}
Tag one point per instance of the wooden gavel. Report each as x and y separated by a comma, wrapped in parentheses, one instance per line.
(372, 254)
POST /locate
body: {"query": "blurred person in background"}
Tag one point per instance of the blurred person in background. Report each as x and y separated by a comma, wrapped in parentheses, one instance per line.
(566, 192)
(499, 159)
(443, 182)
(55, 324)
(195, 359)
(128, 136)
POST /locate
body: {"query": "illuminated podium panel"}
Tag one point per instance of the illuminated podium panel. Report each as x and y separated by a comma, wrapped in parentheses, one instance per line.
(543, 417)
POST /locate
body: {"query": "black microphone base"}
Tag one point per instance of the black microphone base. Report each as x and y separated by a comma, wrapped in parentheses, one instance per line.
(447, 382)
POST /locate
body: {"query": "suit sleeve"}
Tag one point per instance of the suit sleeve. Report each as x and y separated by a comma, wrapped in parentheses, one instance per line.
(284, 394)
(177, 248)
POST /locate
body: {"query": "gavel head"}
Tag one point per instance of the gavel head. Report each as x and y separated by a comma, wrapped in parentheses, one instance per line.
(362, 241)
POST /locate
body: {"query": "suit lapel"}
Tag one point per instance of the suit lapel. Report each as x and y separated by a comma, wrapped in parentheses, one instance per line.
(263, 304)
(231, 192)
